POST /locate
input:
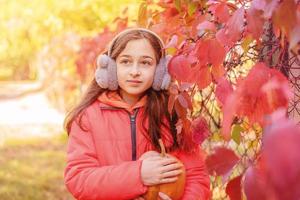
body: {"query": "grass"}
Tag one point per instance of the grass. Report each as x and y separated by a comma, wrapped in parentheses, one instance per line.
(32, 169)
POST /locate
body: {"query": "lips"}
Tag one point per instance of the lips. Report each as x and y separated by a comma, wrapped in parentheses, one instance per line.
(134, 81)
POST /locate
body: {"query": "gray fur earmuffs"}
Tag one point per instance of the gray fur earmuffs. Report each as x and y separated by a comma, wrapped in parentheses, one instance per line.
(106, 72)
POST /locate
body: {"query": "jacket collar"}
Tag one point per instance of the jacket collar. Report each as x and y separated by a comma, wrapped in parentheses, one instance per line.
(113, 99)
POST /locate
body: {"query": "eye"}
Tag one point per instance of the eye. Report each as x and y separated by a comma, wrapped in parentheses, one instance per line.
(145, 62)
(125, 62)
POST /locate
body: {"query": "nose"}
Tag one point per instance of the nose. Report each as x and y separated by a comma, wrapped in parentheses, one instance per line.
(135, 70)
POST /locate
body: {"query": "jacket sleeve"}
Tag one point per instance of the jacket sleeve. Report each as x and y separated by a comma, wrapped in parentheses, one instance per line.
(197, 179)
(86, 179)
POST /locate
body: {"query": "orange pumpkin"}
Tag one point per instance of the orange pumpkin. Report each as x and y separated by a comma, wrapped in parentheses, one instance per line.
(174, 190)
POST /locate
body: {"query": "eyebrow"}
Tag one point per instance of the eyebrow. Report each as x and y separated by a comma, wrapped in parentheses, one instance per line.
(142, 56)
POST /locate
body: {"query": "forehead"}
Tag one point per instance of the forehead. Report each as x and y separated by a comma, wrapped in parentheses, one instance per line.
(138, 48)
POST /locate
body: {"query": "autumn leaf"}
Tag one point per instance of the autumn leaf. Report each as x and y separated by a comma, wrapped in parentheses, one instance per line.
(200, 130)
(229, 111)
(221, 11)
(277, 172)
(236, 133)
(223, 90)
(210, 52)
(218, 72)
(285, 16)
(179, 67)
(267, 6)
(221, 161)
(255, 22)
(233, 188)
(205, 26)
(233, 29)
(254, 185)
(263, 91)
(201, 75)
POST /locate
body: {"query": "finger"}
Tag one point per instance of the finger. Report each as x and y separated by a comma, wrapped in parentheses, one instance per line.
(168, 180)
(167, 161)
(164, 196)
(171, 173)
(171, 167)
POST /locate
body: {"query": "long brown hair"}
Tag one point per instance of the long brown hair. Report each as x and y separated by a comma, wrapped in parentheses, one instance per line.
(156, 106)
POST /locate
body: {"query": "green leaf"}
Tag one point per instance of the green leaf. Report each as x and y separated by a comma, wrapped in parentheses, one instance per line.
(192, 7)
(246, 43)
(236, 133)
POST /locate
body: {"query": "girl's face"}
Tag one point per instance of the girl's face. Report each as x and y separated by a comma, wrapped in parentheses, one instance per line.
(135, 69)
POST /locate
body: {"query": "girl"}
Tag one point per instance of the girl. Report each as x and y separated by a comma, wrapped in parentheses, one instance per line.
(112, 151)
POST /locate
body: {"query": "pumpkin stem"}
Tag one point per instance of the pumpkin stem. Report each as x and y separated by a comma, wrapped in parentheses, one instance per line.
(162, 147)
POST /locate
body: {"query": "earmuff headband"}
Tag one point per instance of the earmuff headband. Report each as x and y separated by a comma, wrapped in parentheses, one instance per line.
(135, 29)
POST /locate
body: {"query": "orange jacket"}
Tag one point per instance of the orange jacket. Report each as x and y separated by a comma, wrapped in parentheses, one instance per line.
(102, 163)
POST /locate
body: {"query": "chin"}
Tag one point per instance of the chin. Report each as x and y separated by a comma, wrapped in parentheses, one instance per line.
(136, 90)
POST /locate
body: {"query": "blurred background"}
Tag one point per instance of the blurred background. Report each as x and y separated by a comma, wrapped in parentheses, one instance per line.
(41, 77)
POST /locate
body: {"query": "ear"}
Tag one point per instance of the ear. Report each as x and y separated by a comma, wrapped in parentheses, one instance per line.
(162, 77)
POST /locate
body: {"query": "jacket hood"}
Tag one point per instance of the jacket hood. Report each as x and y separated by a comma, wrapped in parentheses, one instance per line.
(113, 99)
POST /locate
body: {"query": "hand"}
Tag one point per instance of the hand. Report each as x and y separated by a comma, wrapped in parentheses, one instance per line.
(148, 154)
(157, 170)
(163, 196)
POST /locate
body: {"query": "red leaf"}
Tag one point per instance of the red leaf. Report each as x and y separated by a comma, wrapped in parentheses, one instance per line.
(263, 91)
(201, 76)
(277, 173)
(257, 101)
(221, 161)
(200, 130)
(206, 25)
(179, 67)
(268, 6)
(223, 38)
(281, 156)
(254, 185)
(223, 90)
(210, 52)
(229, 110)
(255, 22)
(285, 16)
(233, 29)
(218, 71)
(181, 111)
(233, 188)
(220, 11)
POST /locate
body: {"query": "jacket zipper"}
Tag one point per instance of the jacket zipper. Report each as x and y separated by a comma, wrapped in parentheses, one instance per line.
(133, 133)
(132, 128)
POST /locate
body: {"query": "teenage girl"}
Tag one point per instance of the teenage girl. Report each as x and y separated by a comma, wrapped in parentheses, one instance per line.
(113, 148)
